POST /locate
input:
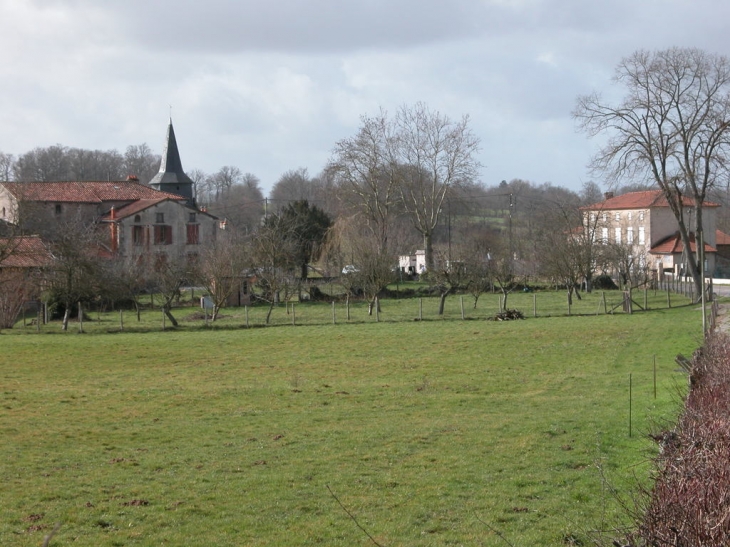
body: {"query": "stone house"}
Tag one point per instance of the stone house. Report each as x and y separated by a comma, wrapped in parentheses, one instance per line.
(137, 219)
(645, 223)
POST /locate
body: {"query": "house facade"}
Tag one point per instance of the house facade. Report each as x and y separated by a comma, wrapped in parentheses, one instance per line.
(414, 264)
(134, 218)
(645, 224)
(159, 226)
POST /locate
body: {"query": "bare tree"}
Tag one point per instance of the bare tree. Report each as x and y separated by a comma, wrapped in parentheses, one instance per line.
(671, 128)
(140, 161)
(353, 243)
(222, 270)
(201, 189)
(273, 255)
(223, 180)
(76, 272)
(126, 278)
(243, 206)
(43, 165)
(170, 273)
(294, 185)
(7, 162)
(435, 154)
(365, 168)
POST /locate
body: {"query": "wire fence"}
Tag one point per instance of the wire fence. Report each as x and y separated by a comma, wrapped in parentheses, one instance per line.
(189, 313)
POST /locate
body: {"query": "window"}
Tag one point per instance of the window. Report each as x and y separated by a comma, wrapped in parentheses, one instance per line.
(593, 218)
(58, 208)
(618, 235)
(642, 237)
(604, 217)
(137, 236)
(641, 216)
(630, 235)
(163, 235)
(618, 217)
(137, 219)
(628, 215)
(604, 236)
(160, 218)
(193, 233)
(191, 218)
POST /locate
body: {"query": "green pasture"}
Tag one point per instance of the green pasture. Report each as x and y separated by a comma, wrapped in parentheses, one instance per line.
(402, 306)
(434, 432)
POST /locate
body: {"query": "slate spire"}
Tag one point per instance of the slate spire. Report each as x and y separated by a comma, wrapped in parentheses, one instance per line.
(171, 177)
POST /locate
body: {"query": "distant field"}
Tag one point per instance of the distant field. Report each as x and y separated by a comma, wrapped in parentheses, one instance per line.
(429, 433)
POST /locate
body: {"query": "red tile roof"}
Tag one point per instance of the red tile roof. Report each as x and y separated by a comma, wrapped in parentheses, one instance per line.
(84, 192)
(721, 238)
(24, 252)
(132, 208)
(641, 200)
(673, 245)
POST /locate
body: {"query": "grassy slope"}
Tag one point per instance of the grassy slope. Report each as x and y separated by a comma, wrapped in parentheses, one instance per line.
(421, 429)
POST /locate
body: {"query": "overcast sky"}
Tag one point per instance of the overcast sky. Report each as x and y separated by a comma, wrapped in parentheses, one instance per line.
(271, 85)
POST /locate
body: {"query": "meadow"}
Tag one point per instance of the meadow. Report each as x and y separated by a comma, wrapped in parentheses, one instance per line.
(433, 432)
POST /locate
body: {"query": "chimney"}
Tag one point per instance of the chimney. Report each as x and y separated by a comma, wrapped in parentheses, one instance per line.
(113, 213)
(607, 195)
(132, 178)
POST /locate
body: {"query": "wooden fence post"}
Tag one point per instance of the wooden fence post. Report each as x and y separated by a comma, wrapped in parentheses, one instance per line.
(534, 305)
(81, 319)
(334, 317)
(420, 309)
(462, 308)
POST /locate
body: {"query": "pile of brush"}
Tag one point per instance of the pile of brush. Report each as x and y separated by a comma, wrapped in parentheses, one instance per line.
(507, 315)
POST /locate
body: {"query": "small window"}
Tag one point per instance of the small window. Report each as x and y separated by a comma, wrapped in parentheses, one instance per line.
(604, 217)
(137, 219)
(58, 208)
(191, 218)
(628, 215)
(163, 235)
(137, 236)
(641, 216)
(193, 234)
(618, 217)
(160, 218)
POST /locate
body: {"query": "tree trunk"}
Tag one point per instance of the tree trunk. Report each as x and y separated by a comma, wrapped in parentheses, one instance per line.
(66, 314)
(168, 314)
(271, 308)
(442, 301)
(428, 244)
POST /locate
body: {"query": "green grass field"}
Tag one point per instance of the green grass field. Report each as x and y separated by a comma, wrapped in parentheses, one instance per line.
(430, 433)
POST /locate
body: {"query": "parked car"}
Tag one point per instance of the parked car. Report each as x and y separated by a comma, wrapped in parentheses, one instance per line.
(349, 269)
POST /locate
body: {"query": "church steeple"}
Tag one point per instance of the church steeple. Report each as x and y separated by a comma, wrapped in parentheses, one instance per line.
(171, 177)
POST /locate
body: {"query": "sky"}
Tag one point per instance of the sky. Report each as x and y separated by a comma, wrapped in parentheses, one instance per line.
(270, 86)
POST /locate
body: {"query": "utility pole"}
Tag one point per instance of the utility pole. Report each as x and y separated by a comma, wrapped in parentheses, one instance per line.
(511, 250)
